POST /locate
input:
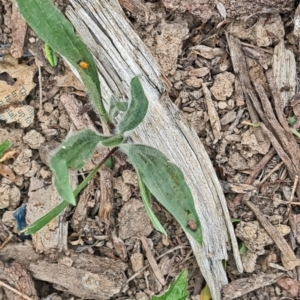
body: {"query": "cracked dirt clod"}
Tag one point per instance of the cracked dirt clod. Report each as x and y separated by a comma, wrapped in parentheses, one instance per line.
(139, 225)
(33, 139)
(9, 194)
(223, 86)
(255, 237)
(22, 164)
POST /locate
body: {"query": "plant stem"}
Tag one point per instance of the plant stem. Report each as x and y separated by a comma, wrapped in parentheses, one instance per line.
(103, 113)
(44, 220)
(82, 185)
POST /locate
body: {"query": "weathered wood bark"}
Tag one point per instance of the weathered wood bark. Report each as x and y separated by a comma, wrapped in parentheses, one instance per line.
(121, 55)
(83, 275)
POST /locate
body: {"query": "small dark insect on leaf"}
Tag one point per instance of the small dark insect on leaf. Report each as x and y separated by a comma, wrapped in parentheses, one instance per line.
(192, 224)
(83, 64)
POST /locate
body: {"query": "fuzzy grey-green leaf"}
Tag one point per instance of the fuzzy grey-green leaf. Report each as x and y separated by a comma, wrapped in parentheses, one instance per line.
(55, 30)
(137, 108)
(166, 182)
(74, 152)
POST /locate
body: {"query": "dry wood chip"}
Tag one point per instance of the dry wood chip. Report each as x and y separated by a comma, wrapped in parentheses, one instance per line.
(297, 22)
(119, 247)
(212, 112)
(290, 285)
(106, 196)
(228, 117)
(207, 52)
(19, 29)
(18, 278)
(137, 262)
(294, 221)
(288, 257)
(89, 277)
(229, 187)
(80, 213)
(200, 72)
(73, 106)
(240, 287)
(152, 261)
(285, 74)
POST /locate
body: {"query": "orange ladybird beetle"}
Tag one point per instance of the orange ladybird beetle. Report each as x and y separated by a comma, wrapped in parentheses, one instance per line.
(83, 64)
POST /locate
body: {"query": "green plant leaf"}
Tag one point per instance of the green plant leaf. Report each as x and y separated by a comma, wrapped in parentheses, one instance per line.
(292, 120)
(72, 153)
(235, 220)
(56, 31)
(166, 182)
(116, 107)
(4, 147)
(137, 108)
(177, 290)
(51, 57)
(113, 141)
(44, 220)
(243, 249)
(146, 197)
(295, 132)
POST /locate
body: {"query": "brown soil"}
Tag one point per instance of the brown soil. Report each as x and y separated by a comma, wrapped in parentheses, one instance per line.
(236, 82)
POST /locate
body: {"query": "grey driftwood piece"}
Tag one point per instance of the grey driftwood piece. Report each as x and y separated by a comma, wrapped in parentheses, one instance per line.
(120, 55)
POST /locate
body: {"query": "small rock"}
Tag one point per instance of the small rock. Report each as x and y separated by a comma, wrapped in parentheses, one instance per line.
(133, 220)
(45, 150)
(222, 105)
(237, 161)
(249, 261)
(130, 177)
(196, 95)
(123, 189)
(64, 121)
(48, 107)
(23, 164)
(9, 195)
(222, 87)
(35, 167)
(194, 82)
(141, 296)
(8, 219)
(33, 139)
